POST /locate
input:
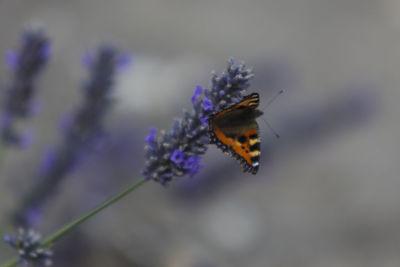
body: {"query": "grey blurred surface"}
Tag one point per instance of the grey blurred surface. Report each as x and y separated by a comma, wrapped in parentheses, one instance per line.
(328, 200)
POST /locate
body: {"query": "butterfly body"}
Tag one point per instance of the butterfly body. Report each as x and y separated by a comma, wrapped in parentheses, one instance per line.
(235, 131)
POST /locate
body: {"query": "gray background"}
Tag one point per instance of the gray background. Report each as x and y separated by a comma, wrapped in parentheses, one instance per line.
(329, 199)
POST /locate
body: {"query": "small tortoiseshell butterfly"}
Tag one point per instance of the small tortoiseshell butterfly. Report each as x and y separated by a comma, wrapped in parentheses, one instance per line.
(235, 131)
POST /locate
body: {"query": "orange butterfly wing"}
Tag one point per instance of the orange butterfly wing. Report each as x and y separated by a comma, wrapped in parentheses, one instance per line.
(235, 131)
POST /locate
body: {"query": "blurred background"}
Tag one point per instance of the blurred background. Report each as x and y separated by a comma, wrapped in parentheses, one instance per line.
(327, 192)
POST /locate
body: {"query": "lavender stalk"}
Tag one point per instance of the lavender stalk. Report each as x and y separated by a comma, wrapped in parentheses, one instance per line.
(178, 152)
(27, 243)
(25, 64)
(81, 132)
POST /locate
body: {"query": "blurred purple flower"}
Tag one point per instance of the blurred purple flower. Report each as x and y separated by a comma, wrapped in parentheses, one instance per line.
(25, 64)
(81, 131)
(27, 242)
(178, 152)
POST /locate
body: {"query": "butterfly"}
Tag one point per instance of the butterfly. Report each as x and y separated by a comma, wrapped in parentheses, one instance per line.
(235, 131)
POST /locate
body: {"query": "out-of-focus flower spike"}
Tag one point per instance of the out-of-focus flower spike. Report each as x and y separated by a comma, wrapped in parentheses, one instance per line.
(81, 131)
(27, 245)
(25, 64)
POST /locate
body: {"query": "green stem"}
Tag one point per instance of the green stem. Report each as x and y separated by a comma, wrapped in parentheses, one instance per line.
(50, 240)
(54, 237)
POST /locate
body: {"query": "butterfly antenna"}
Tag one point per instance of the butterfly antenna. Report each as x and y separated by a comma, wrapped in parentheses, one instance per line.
(272, 129)
(273, 99)
(269, 103)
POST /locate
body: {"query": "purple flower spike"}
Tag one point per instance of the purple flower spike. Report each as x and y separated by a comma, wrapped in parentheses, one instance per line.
(197, 94)
(178, 152)
(207, 105)
(25, 63)
(27, 244)
(82, 131)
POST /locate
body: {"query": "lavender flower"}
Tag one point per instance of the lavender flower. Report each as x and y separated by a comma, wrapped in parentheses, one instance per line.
(178, 156)
(207, 105)
(151, 138)
(27, 243)
(25, 64)
(178, 152)
(197, 93)
(80, 133)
